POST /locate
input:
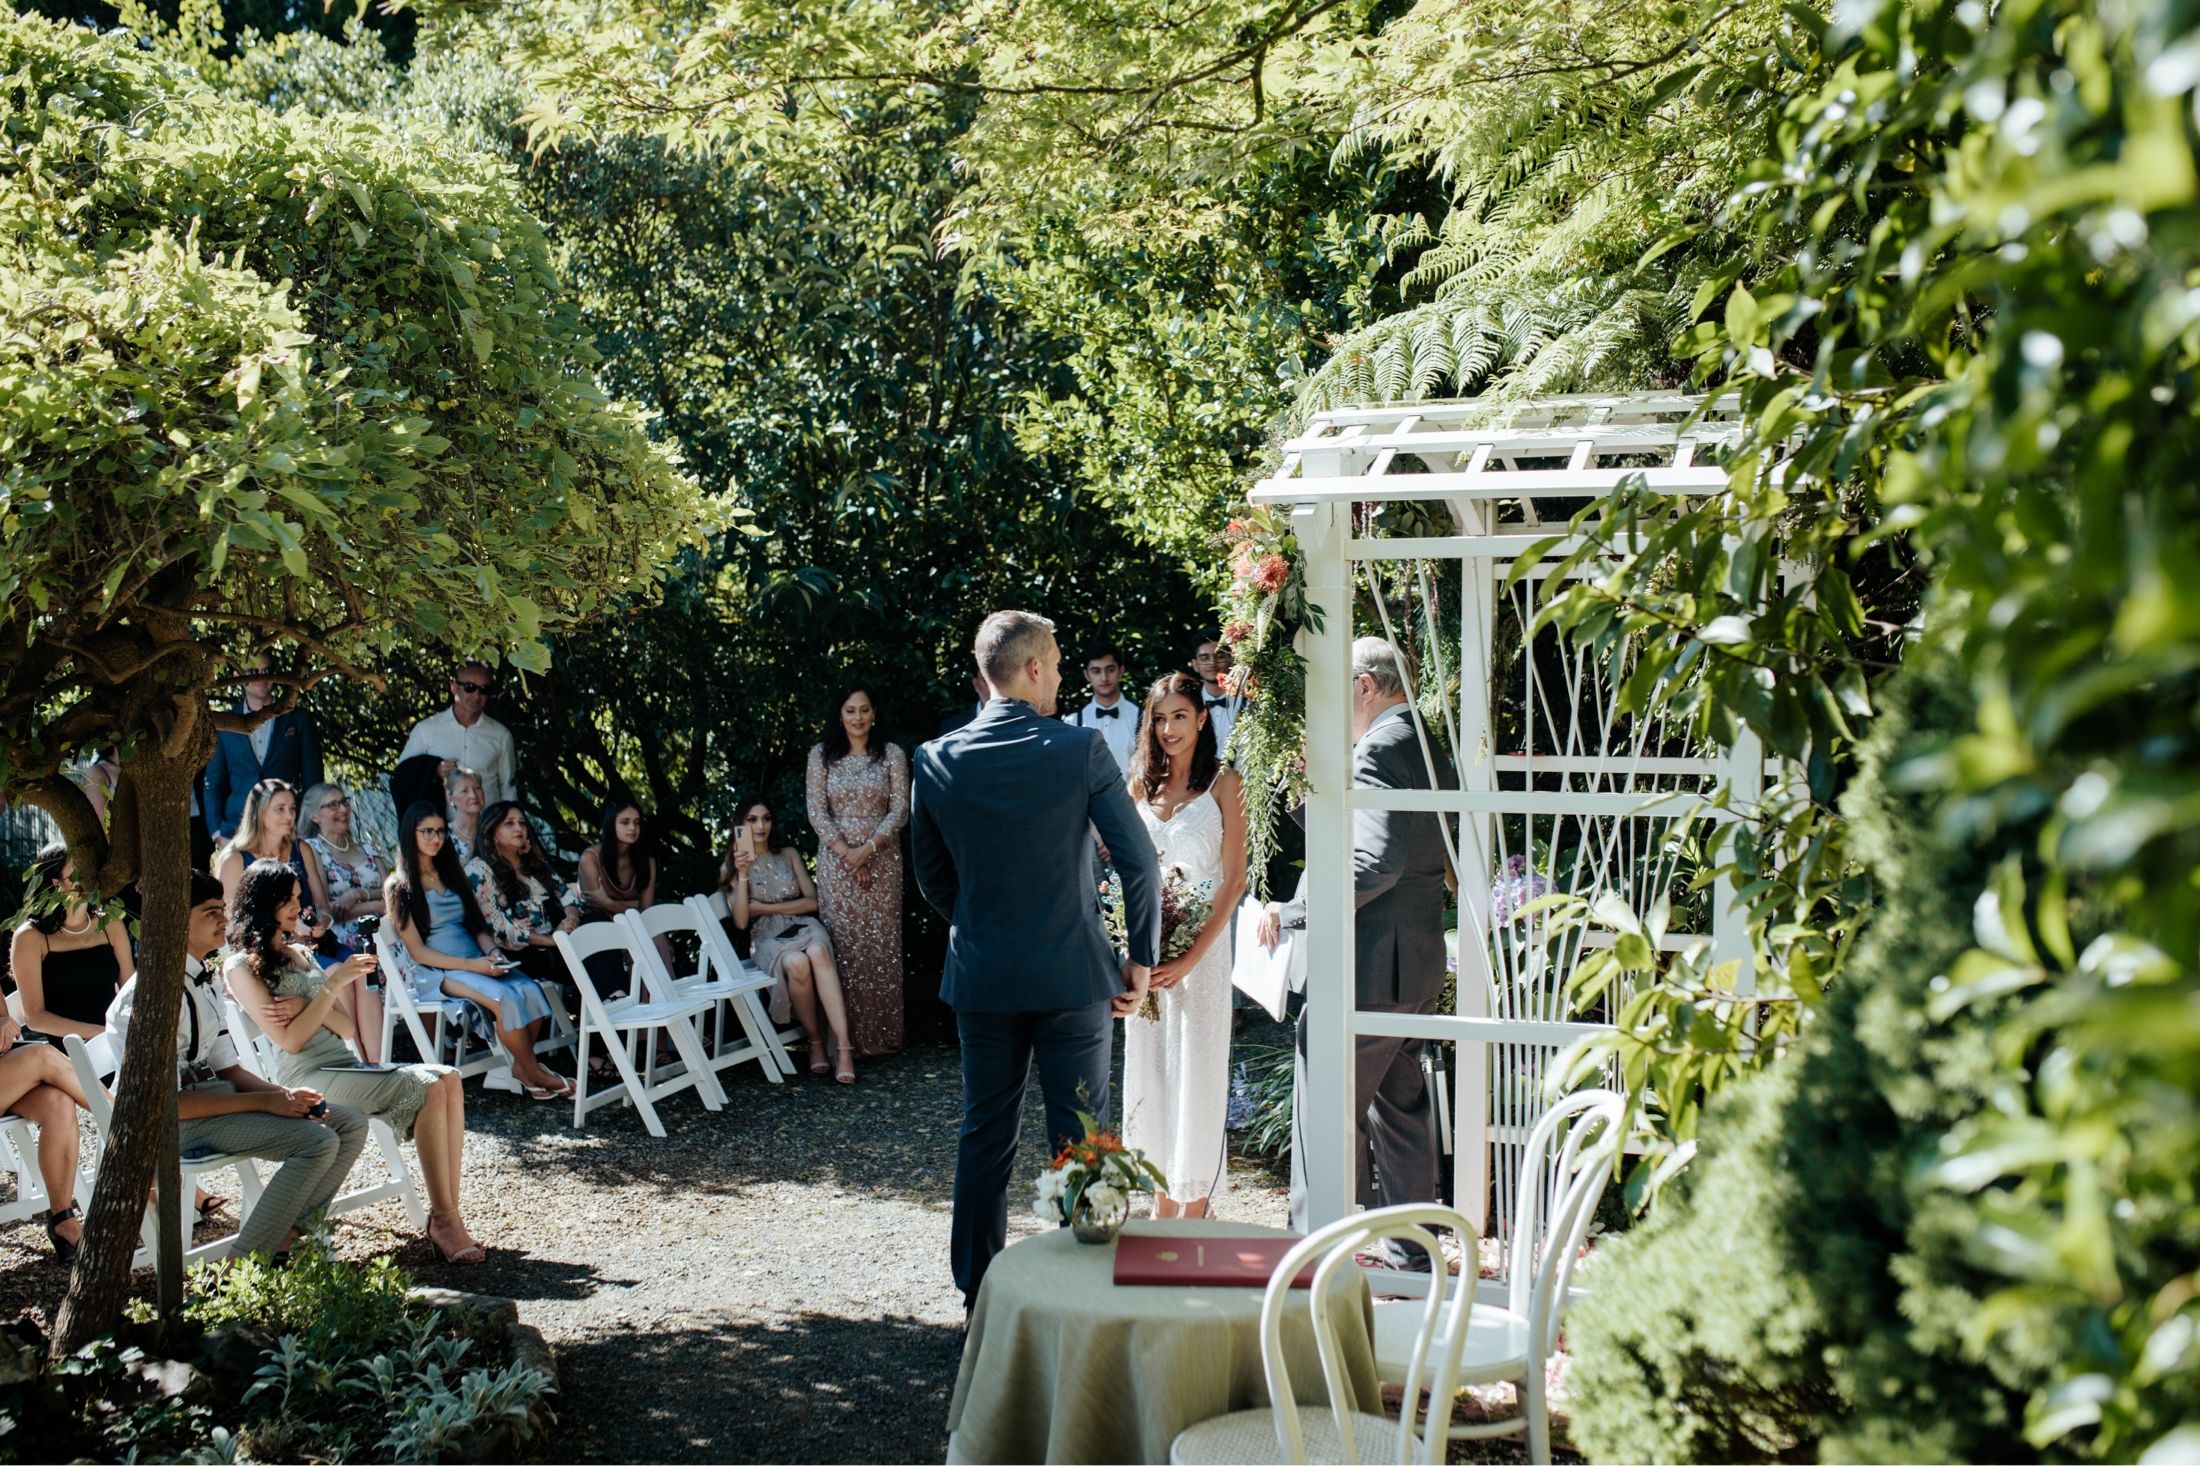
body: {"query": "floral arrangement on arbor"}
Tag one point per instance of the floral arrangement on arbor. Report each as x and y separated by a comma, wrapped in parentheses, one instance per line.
(1264, 609)
(1098, 1173)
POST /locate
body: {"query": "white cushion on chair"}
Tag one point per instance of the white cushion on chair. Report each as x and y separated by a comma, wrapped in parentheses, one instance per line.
(1497, 1342)
(1248, 1438)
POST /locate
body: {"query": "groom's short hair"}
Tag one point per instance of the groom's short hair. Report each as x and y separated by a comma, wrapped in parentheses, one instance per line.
(1006, 641)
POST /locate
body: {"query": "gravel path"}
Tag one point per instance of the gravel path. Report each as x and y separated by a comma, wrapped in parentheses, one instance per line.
(765, 1283)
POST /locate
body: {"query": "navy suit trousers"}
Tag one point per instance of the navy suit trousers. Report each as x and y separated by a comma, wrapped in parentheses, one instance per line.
(1075, 1049)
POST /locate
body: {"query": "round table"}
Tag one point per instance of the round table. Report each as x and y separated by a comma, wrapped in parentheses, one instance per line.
(1063, 1365)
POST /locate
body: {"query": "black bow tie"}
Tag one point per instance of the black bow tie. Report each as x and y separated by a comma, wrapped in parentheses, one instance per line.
(1218, 702)
(1107, 712)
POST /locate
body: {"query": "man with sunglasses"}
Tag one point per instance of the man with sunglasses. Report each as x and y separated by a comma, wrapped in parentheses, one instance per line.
(463, 735)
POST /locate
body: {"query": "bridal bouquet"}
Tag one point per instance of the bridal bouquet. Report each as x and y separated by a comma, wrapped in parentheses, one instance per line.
(1089, 1184)
(1185, 907)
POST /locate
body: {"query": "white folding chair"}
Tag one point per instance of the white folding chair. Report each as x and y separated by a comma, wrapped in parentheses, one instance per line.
(637, 1017)
(1278, 1433)
(725, 963)
(258, 1052)
(441, 1033)
(1564, 1170)
(95, 1060)
(19, 1155)
(725, 989)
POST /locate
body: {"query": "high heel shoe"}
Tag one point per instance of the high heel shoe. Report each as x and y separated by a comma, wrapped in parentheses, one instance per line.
(845, 1069)
(64, 1251)
(819, 1064)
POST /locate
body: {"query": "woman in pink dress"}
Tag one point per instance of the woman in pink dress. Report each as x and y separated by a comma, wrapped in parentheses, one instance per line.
(859, 801)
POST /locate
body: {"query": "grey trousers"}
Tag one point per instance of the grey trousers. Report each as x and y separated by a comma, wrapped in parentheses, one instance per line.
(1395, 1149)
(315, 1155)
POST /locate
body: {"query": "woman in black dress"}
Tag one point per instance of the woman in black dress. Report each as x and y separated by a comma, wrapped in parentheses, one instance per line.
(67, 965)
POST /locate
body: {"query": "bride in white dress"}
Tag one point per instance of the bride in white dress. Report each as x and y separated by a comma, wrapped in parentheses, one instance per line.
(1176, 1072)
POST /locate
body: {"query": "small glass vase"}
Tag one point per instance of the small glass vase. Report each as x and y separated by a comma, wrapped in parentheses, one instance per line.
(1089, 1223)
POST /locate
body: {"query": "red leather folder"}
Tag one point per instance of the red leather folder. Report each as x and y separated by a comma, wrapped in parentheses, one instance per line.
(1148, 1261)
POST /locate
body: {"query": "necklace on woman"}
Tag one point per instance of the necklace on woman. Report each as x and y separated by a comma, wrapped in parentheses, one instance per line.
(76, 931)
(344, 849)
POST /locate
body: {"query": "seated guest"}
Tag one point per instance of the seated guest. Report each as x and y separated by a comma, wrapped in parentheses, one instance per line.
(267, 829)
(38, 1084)
(418, 780)
(520, 894)
(463, 801)
(302, 1008)
(618, 873)
(67, 966)
(768, 888)
(354, 870)
(224, 1108)
(454, 953)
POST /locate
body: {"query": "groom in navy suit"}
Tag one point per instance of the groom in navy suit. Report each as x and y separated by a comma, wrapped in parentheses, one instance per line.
(1001, 812)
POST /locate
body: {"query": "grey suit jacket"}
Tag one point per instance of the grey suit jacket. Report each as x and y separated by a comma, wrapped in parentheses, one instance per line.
(1000, 818)
(1397, 874)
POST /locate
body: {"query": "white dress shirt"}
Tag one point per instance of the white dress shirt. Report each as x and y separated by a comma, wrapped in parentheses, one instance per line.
(1120, 731)
(200, 1037)
(486, 748)
(1222, 713)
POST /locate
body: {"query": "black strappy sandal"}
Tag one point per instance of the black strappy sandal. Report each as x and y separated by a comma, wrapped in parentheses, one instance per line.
(64, 1251)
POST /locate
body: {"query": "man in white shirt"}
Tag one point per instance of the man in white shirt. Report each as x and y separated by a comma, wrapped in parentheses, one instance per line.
(222, 1107)
(1109, 713)
(1211, 663)
(463, 735)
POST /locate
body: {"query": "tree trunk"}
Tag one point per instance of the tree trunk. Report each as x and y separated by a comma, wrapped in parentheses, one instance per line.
(143, 1139)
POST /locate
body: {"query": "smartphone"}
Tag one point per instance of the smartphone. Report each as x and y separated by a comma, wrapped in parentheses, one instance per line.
(744, 841)
(320, 1108)
(368, 926)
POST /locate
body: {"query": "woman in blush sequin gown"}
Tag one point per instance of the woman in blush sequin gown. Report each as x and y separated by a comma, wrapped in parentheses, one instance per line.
(859, 801)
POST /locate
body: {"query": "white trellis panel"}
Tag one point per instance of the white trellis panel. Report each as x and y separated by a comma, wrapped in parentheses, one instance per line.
(1555, 788)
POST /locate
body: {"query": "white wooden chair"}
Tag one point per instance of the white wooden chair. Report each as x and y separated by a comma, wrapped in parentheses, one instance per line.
(19, 1156)
(96, 1059)
(734, 993)
(1565, 1168)
(712, 913)
(636, 1018)
(1278, 1433)
(258, 1052)
(441, 1033)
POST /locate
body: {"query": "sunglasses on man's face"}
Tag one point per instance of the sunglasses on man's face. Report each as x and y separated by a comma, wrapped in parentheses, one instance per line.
(479, 689)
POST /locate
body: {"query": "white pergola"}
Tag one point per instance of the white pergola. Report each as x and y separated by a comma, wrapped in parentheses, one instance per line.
(1547, 770)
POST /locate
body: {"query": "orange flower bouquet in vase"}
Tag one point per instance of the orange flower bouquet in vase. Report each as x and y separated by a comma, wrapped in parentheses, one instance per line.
(1090, 1182)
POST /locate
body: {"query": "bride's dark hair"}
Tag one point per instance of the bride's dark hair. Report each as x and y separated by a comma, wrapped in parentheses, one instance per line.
(1149, 763)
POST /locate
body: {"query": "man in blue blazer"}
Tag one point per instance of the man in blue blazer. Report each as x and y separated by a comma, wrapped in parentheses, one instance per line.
(286, 746)
(1001, 814)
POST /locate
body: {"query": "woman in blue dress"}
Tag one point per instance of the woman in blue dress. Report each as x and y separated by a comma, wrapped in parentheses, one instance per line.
(454, 954)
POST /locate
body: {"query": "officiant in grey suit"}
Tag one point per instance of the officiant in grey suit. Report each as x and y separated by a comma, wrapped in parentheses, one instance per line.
(1000, 816)
(1398, 864)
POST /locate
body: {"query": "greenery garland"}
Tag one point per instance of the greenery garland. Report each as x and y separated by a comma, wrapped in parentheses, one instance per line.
(1264, 610)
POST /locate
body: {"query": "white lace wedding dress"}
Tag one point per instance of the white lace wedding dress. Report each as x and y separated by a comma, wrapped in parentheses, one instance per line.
(1176, 1073)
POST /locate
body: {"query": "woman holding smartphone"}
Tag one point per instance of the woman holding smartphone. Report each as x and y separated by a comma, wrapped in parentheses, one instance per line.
(453, 953)
(303, 1009)
(768, 890)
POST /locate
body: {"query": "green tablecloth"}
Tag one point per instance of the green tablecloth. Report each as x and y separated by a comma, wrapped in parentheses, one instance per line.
(1063, 1366)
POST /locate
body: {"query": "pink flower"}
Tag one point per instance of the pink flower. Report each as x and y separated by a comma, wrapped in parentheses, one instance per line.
(1272, 573)
(1241, 563)
(1236, 632)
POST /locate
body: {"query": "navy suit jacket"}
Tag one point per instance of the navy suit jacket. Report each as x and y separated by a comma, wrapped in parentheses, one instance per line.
(293, 755)
(1001, 815)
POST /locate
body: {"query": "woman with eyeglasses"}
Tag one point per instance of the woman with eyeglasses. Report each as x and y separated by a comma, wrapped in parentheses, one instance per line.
(354, 870)
(268, 830)
(453, 953)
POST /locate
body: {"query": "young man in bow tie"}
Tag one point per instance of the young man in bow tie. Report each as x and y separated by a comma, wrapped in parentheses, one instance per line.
(1211, 663)
(1109, 713)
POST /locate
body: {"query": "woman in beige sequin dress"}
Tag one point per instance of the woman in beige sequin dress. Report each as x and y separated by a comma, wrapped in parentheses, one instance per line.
(859, 801)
